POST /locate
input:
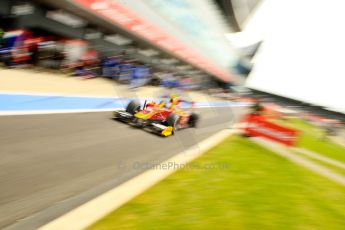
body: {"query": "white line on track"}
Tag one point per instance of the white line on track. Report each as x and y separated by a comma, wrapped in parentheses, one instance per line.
(62, 111)
(38, 112)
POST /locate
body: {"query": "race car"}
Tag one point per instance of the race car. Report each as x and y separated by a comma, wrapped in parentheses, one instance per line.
(164, 118)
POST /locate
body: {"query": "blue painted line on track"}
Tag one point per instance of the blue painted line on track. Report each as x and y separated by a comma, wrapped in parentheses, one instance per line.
(28, 102)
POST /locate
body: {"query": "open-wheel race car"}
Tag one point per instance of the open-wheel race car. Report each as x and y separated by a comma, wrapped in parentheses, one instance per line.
(164, 118)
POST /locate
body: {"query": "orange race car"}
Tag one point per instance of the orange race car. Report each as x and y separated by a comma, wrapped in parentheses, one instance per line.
(164, 117)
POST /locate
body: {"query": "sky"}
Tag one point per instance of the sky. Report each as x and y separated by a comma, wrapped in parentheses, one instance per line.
(302, 56)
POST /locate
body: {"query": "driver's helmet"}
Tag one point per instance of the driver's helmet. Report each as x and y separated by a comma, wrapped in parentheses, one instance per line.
(174, 100)
(161, 104)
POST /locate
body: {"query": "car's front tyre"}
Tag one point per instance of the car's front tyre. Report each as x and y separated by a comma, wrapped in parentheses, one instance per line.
(173, 121)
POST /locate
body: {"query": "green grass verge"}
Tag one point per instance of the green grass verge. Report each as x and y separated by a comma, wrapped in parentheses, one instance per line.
(310, 137)
(259, 190)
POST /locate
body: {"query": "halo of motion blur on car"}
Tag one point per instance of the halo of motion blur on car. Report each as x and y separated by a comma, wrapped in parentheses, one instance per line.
(164, 118)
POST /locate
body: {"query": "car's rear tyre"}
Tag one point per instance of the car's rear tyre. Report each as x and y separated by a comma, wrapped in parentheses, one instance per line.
(193, 120)
(173, 121)
(133, 107)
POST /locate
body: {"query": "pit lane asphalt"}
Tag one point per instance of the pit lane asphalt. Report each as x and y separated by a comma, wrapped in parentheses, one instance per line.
(53, 163)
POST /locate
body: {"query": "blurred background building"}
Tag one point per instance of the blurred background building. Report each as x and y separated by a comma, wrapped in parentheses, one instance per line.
(209, 43)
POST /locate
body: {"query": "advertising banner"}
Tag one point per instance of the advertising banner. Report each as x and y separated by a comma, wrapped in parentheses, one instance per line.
(259, 126)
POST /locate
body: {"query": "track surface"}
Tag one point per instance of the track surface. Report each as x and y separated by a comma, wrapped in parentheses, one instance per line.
(51, 164)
